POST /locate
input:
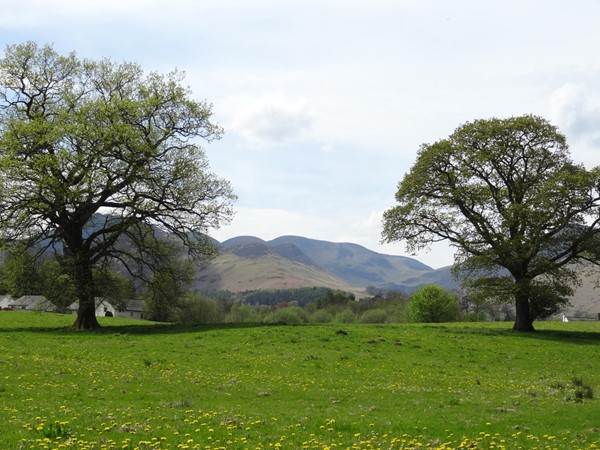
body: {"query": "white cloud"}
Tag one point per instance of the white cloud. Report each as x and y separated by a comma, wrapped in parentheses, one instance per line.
(272, 119)
(574, 111)
(18, 13)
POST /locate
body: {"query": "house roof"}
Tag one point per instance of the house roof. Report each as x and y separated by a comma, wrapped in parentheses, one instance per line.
(28, 300)
(32, 302)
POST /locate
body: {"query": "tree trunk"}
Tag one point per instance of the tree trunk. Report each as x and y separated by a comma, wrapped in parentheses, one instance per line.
(86, 318)
(523, 320)
(81, 271)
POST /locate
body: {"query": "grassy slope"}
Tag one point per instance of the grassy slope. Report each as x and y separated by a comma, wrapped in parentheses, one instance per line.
(394, 386)
(233, 273)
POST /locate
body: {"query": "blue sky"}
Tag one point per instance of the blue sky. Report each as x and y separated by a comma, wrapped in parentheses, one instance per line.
(325, 103)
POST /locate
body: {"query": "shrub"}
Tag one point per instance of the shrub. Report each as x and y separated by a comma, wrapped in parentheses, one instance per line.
(321, 316)
(374, 316)
(241, 314)
(197, 309)
(291, 315)
(397, 313)
(473, 316)
(433, 304)
(345, 316)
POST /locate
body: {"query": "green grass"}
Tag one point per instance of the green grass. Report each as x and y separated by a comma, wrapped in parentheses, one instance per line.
(135, 385)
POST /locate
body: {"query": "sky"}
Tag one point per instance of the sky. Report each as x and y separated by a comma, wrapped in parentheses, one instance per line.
(325, 103)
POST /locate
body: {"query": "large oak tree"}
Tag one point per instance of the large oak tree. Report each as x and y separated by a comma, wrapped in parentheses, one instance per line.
(97, 158)
(507, 196)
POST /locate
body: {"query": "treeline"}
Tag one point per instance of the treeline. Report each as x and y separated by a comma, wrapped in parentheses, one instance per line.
(291, 307)
(168, 297)
(322, 305)
(276, 297)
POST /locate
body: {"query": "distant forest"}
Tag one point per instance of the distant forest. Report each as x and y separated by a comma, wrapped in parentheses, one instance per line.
(282, 297)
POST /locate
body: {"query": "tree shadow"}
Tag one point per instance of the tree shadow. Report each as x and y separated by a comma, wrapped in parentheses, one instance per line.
(142, 329)
(572, 336)
(575, 337)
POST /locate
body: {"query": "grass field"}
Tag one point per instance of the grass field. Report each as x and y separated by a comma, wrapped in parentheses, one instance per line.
(135, 385)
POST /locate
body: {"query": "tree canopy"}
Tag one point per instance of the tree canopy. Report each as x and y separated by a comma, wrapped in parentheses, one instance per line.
(507, 196)
(431, 303)
(98, 158)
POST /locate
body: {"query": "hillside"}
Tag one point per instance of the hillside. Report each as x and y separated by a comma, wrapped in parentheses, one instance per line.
(255, 266)
(250, 263)
(586, 301)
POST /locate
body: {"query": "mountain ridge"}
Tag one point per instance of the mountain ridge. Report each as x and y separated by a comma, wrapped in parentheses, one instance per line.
(246, 262)
(249, 263)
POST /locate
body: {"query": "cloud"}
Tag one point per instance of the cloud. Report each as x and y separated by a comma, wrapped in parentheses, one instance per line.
(271, 119)
(574, 111)
(30, 13)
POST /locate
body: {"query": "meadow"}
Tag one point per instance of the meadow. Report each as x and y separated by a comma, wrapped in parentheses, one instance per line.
(140, 385)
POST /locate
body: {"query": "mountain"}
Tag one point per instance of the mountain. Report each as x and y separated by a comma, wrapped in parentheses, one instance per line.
(251, 263)
(255, 267)
(354, 263)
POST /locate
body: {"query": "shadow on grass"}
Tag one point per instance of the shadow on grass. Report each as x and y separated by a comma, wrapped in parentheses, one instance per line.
(576, 337)
(168, 328)
(144, 328)
(487, 329)
(572, 336)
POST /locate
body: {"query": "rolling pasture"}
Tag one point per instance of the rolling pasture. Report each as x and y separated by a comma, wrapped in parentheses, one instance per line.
(139, 385)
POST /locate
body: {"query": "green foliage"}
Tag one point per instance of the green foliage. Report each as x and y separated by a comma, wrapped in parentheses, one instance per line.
(582, 390)
(79, 137)
(197, 309)
(321, 316)
(300, 296)
(433, 304)
(56, 431)
(374, 316)
(506, 195)
(58, 286)
(281, 306)
(19, 274)
(169, 283)
(241, 314)
(345, 316)
(113, 286)
(291, 315)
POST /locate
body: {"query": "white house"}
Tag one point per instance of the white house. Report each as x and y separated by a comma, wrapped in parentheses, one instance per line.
(132, 309)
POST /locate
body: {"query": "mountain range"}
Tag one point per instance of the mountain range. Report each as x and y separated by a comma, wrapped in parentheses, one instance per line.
(251, 263)
(248, 263)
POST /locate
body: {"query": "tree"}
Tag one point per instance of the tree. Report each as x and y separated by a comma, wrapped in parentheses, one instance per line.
(432, 303)
(57, 286)
(167, 286)
(97, 159)
(507, 196)
(19, 273)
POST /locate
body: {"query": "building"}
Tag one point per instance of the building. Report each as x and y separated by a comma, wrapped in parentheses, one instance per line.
(32, 303)
(131, 309)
